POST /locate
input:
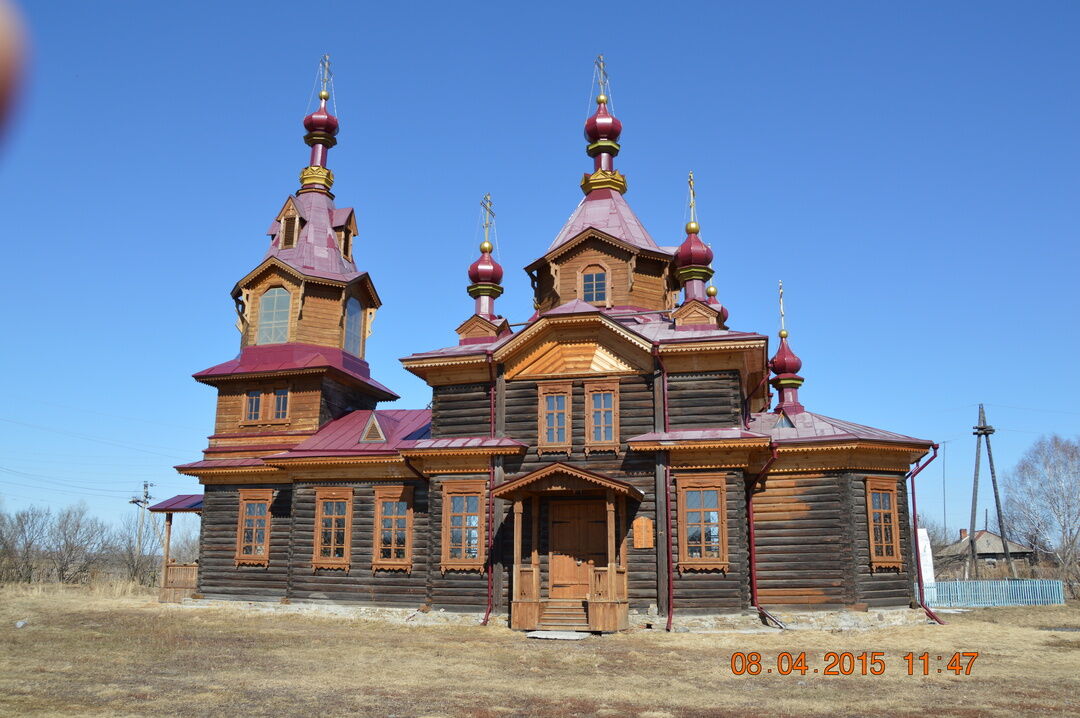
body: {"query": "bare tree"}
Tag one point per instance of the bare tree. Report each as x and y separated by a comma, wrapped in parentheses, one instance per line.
(939, 538)
(22, 540)
(185, 544)
(75, 543)
(1043, 502)
(139, 548)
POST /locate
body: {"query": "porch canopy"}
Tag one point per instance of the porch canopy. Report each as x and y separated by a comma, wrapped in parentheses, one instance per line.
(177, 580)
(594, 575)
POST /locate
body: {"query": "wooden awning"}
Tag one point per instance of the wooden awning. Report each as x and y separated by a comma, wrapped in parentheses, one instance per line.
(559, 477)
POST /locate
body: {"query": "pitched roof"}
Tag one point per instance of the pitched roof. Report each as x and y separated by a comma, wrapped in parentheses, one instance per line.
(316, 252)
(284, 358)
(986, 542)
(342, 437)
(807, 426)
(184, 502)
(607, 211)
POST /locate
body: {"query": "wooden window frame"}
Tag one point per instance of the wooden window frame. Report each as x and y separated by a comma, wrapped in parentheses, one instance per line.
(718, 483)
(543, 391)
(253, 496)
(273, 394)
(397, 492)
(885, 486)
(288, 321)
(344, 237)
(267, 406)
(258, 397)
(359, 326)
(294, 220)
(334, 562)
(607, 300)
(602, 387)
(450, 489)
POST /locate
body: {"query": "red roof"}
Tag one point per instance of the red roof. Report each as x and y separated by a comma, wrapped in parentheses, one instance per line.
(219, 464)
(342, 437)
(316, 252)
(283, 358)
(183, 502)
(607, 211)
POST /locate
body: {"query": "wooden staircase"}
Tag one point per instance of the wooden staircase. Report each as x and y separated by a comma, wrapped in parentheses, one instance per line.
(564, 615)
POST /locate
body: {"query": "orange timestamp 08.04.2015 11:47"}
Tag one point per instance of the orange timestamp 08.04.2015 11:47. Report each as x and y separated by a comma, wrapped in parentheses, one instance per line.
(847, 663)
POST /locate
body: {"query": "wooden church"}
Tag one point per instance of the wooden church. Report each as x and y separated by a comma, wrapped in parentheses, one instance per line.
(616, 454)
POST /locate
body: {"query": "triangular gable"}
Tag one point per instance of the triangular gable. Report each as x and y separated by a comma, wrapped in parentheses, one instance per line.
(372, 431)
(696, 314)
(574, 345)
(477, 328)
(563, 477)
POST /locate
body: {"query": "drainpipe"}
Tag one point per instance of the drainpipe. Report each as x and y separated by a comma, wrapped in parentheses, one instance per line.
(667, 492)
(915, 538)
(746, 402)
(759, 479)
(490, 528)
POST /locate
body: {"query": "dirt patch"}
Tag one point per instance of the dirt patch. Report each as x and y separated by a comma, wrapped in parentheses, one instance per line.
(128, 656)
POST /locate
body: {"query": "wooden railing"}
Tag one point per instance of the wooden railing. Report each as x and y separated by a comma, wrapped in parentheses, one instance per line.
(607, 583)
(526, 583)
(181, 575)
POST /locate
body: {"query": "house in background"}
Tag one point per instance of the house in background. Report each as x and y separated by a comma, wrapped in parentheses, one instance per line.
(988, 550)
(617, 454)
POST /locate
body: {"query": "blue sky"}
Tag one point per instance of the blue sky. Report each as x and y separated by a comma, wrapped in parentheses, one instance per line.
(910, 170)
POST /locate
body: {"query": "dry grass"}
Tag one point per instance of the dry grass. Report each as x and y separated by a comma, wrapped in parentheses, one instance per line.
(89, 655)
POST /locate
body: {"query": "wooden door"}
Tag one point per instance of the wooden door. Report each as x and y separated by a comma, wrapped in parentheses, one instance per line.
(578, 542)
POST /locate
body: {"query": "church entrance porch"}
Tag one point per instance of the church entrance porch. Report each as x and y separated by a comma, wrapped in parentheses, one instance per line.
(573, 574)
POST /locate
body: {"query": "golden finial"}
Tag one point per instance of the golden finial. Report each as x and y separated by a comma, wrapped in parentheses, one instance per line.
(486, 247)
(602, 80)
(710, 290)
(324, 95)
(783, 331)
(692, 227)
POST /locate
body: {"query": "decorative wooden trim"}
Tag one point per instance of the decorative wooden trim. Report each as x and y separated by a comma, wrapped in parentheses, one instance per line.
(463, 488)
(601, 387)
(325, 495)
(544, 390)
(267, 407)
(890, 519)
(606, 302)
(398, 493)
(644, 535)
(683, 484)
(260, 550)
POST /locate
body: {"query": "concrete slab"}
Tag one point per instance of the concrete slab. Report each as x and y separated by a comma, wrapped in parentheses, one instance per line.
(558, 635)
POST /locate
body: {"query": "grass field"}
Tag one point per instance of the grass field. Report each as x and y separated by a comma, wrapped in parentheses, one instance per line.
(94, 654)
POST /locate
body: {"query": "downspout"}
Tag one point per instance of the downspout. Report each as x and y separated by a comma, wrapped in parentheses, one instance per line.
(915, 538)
(759, 479)
(490, 499)
(746, 402)
(667, 492)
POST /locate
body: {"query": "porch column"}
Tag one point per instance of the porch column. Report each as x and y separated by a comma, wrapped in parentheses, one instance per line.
(518, 507)
(165, 550)
(622, 531)
(611, 543)
(535, 544)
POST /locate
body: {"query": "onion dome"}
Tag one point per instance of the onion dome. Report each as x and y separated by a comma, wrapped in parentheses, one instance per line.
(321, 120)
(693, 252)
(785, 361)
(485, 270)
(602, 125)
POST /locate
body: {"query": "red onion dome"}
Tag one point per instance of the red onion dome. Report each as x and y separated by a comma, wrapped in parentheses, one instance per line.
(693, 252)
(785, 361)
(602, 125)
(321, 121)
(485, 270)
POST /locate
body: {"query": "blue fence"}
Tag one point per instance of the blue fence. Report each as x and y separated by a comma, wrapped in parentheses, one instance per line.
(1022, 592)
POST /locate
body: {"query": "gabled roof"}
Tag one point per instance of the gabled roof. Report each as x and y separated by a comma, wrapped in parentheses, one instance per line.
(607, 211)
(184, 503)
(343, 437)
(578, 478)
(296, 358)
(986, 542)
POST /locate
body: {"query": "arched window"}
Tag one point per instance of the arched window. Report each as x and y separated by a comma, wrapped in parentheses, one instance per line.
(274, 316)
(353, 314)
(594, 284)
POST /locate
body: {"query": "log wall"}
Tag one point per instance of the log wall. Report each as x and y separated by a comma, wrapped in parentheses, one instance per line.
(703, 400)
(881, 588)
(460, 410)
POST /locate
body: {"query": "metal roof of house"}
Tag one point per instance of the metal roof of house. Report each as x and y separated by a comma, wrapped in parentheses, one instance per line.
(607, 211)
(807, 426)
(316, 251)
(986, 542)
(342, 437)
(177, 504)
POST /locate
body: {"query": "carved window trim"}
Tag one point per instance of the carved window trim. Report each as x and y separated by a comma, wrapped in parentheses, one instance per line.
(267, 406)
(260, 550)
(322, 496)
(554, 389)
(593, 388)
(463, 489)
(395, 494)
(887, 517)
(684, 485)
(595, 264)
(344, 237)
(289, 232)
(262, 324)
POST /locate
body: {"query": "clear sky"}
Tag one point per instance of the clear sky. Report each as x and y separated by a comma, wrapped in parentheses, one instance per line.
(910, 170)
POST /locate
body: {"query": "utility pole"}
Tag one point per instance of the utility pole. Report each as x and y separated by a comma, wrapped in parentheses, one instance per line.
(142, 502)
(982, 431)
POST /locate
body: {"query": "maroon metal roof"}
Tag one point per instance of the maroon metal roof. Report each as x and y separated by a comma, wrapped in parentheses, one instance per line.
(341, 437)
(183, 502)
(270, 358)
(219, 464)
(464, 442)
(697, 435)
(607, 211)
(807, 426)
(316, 251)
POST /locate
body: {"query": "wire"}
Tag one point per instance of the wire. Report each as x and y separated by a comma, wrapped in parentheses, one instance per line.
(98, 440)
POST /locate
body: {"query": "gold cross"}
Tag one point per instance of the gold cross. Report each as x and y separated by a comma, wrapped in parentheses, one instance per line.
(324, 67)
(487, 207)
(781, 305)
(693, 197)
(601, 75)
